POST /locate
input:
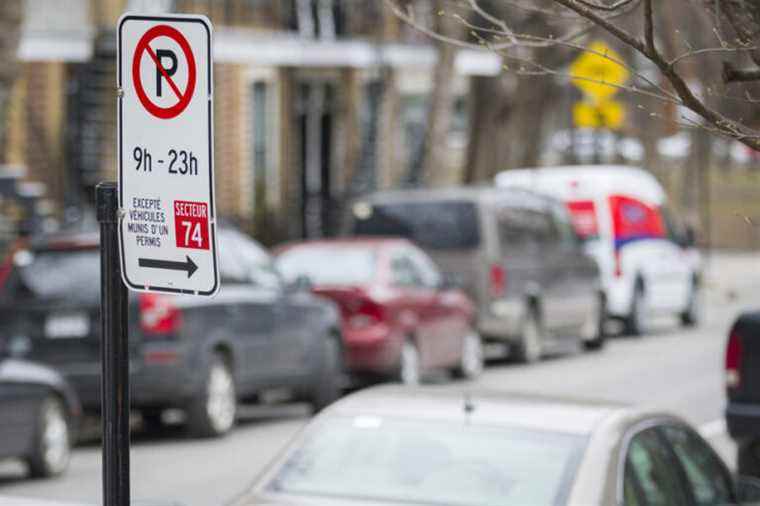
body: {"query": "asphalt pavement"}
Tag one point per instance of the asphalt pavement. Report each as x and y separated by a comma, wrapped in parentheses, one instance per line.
(675, 369)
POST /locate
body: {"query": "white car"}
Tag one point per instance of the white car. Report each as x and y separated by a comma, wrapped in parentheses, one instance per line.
(648, 264)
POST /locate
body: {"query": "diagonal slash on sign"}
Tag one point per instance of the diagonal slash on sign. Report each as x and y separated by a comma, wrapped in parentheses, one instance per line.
(163, 71)
(184, 98)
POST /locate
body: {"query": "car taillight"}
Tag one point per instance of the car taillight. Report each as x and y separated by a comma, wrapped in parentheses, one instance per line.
(733, 360)
(368, 313)
(158, 314)
(497, 280)
(5, 270)
(618, 264)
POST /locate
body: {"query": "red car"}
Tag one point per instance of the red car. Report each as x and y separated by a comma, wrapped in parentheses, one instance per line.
(400, 316)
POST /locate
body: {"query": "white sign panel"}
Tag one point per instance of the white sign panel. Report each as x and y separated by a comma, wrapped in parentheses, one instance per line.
(166, 171)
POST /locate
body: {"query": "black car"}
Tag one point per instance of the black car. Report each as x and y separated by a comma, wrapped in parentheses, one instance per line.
(743, 390)
(39, 412)
(195, 354)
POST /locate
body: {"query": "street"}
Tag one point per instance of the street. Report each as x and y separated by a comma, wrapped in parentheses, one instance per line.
(671, 368)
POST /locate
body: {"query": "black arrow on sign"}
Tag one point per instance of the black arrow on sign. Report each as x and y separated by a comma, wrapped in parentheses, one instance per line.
(188, 265)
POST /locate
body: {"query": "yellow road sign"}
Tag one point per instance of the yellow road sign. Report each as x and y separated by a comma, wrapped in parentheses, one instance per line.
(592, 70)
(609, 114)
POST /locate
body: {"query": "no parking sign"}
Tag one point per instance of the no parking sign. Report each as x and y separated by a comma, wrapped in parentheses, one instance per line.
(165, 141)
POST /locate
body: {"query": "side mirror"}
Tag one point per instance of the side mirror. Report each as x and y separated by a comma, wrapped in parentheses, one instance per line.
(747, 489)
(302, 283)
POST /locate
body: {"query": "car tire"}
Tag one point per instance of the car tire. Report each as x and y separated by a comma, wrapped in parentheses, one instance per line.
(690, 316)
(329, 379)
(636, 322)
(212, 412)
(472, 360)
(152, 420)
(409, 369)
(51, 449)
(593, 331)
(748, 458)
(531, 346)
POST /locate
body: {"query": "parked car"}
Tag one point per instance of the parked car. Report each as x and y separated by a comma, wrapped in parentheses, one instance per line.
(517, 254)
(400, 316)
(427, 446)
(189, 353)
(39, 413)
(742, 367)
(647, 260)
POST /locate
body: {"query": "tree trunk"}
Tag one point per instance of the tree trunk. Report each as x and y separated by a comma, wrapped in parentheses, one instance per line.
(490, 111)
(434, 146)
(532, 100)
(11, 14)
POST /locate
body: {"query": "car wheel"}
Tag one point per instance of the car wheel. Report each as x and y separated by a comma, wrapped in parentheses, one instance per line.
(212, 413)
(593, 329)
(328, 383)
(690, 316)
(52, 442)
(748, 458)
(531, 347)
(409, 364)
(636, 323)
(472, 361)
(152, 420)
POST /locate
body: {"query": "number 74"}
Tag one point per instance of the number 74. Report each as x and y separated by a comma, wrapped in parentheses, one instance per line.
(193, 232)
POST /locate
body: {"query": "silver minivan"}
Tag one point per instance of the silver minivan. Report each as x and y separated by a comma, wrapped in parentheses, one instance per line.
(516, 254)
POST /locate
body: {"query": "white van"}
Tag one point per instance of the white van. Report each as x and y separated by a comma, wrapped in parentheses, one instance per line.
(648, 264)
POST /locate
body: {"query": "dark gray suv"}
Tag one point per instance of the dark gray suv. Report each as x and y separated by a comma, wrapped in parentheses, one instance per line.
(199, 355)
(516, 253)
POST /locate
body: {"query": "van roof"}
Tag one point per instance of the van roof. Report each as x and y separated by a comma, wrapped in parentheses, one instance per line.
(484, 194)
(585, 181)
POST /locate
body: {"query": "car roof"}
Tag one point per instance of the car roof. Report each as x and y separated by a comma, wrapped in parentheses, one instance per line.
(485, 194)
(488, 408)
(584, 181)
(374, 242)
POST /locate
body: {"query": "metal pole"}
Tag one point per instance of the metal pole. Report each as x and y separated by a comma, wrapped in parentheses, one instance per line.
(114, 353)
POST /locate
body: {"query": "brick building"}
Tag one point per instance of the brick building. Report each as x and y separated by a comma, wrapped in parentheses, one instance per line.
(316, 101)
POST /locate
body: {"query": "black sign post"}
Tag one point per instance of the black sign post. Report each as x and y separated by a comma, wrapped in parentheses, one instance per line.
(114, 352)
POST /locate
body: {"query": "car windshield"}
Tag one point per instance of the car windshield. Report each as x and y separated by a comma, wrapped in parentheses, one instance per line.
(327, 265)
(55, 275)
(439, 225)
(371, 458)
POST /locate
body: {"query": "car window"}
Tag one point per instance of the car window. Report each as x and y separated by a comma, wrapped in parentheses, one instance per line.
(429, 273)
(710, 483)
(631, 492)
(565, 232)
(542, 229)
(403, 271)
(439, 225)
(653, 468)
(402, 461)
(329, 265)
(241, 260)
(55, 275)
(513, 226)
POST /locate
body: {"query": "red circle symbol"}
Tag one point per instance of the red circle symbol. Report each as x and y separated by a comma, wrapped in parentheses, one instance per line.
(143, 46)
